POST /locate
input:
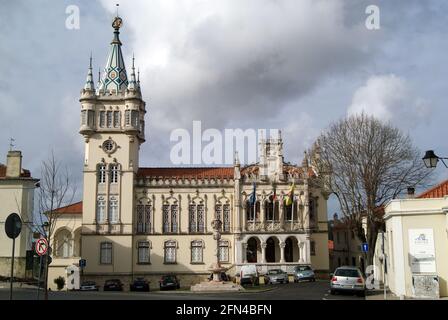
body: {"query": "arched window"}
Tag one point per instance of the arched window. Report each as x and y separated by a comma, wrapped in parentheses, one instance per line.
(291, 211)
(102, 173)
(144, 218)
(101, 209)
(272, 209)
(64, 244)
(222, 212)
(223, 251)
(170, 251)
(170, 213)
(197, 248)
(196, 216)
(143, 248)
(252, 211)
(114, 170)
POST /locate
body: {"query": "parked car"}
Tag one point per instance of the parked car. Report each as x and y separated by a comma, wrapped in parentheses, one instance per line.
(89, 286)
(222, 277)
(302, 273)
(276, 276)
(348, 279)
(169, 282)
(113, 285)
(140, 284)
(249, 275)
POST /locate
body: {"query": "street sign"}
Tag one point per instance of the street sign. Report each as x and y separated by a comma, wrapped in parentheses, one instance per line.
(41, 246)
(365, 247)
(82, 263)
(13, 225)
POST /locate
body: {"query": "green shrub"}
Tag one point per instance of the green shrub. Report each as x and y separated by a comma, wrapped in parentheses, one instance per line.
(60, 282)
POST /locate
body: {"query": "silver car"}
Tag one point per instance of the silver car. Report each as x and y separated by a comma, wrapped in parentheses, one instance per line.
(276, 276)
(348, 279)
(304, 273)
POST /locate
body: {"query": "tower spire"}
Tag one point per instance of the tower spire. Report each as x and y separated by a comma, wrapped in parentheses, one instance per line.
(133, 85)
(89, 81)
(114, 78)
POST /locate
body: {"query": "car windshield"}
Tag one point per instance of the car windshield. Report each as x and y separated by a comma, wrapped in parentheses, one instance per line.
(88, 283)
(168, 278)
(351, 273)
(112, 281)
(304, 268)
(275, 272)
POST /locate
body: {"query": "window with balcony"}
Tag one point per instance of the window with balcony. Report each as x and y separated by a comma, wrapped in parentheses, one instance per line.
(196, 216)
(144, 218)
(170, 218)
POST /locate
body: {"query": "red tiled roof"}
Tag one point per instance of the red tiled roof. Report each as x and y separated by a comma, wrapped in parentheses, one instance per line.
(438, 191)
(204, 172)
(74, 208)
(24, 174)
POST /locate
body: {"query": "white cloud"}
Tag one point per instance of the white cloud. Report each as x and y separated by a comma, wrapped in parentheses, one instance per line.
(390, 98)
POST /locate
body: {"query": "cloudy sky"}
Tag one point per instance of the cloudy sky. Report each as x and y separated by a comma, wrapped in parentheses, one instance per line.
(295, 65)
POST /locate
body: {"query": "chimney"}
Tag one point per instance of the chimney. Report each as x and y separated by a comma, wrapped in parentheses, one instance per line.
(14, 164)
(411, 192)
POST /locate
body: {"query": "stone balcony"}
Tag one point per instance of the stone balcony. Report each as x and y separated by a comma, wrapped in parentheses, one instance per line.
(274, 226)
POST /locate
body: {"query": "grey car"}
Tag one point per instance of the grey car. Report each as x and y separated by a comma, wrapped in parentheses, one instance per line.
(304, 273)
(348, 279)
(276, 276)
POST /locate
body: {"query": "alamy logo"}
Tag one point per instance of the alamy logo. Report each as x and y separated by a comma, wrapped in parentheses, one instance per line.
(213, 147)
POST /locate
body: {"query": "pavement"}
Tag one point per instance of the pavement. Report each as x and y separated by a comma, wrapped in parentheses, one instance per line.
(318, 290)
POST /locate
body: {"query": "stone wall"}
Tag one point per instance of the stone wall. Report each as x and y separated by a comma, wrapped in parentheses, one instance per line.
(19, 267)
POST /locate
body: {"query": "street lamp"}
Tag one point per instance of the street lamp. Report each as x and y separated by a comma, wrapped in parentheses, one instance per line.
(431, 159)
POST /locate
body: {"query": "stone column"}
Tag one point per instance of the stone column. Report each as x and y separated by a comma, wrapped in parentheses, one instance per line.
(282, 251)
(281, 208)
(244, 217)
(307, 249)
(244, 251)
(262, 213)
(263, 252)
(301, 252)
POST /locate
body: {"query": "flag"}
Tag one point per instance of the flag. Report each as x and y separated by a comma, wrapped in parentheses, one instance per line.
(274, 196)
(290, 197)
(253, 196)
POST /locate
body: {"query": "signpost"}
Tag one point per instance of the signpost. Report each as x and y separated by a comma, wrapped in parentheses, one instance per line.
(365, 247)
(41, 248)
(13, 226)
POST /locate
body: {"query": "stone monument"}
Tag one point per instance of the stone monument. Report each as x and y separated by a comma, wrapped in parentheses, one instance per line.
(216, 284)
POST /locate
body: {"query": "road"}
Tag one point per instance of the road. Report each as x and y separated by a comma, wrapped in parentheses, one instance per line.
(318, 290)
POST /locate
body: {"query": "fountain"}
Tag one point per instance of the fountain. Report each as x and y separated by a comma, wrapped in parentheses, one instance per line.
(216, 284)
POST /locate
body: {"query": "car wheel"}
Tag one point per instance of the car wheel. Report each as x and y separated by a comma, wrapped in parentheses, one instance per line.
(332, 292)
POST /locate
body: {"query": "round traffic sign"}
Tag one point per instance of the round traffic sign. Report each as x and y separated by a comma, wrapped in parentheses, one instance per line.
(13, 225)
(41, 246)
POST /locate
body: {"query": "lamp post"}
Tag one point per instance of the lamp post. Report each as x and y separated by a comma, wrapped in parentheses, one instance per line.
(431, 159)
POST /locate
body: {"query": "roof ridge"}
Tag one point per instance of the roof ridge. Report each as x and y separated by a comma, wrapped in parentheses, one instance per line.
(432, 189)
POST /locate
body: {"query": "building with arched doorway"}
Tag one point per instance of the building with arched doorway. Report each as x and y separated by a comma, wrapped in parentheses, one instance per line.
(148, 221)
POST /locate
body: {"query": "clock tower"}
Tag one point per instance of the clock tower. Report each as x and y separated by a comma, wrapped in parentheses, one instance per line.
(112, 125)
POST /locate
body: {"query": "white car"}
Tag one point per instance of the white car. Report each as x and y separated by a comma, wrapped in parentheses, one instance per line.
(348, 279)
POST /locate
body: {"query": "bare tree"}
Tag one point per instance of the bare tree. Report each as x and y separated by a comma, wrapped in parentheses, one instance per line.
(56, 190)
(368, 162)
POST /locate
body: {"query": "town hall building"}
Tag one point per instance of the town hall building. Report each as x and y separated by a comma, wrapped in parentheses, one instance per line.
(146, 222)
